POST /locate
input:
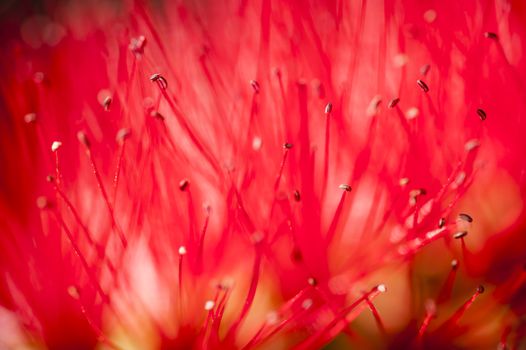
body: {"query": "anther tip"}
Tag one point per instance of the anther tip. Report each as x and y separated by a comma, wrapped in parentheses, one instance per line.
(381, 288)
(297, 196)
(454, 264)
(287, 145)
(345, 187)
(74, 292)
(328, 108)
(44, 203)
(83, 138)
(482, 114)
(491, 35)
(122, 135)
(183, 184)
(480, 289)
(465, 217)
(255, 86)
(30, 118)
(460, 234)
(182, 250)
(209, 305)
(393, 103)
(422, 85)
(55, 146)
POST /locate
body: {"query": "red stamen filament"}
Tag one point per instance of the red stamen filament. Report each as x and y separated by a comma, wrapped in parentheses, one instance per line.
(377, 316)
(445, 292)
(100, 184)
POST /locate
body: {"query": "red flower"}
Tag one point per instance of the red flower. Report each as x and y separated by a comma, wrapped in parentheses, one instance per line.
(255, 174)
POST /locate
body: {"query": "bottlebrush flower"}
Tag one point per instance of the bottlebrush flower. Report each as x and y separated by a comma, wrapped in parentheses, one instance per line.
(262, 174)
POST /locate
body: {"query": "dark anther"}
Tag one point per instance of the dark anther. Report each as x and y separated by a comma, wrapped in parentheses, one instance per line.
(312, 281)
(480, 289)
(296, 255)
(287, 145)
(328, 108)
(50, 178)
(393, 102)
(491, 35)
(183, 184)
(137, 45)
(297, 196)
(422, 85)
(482, 114)
(255, 86)
(465, 217)
(345, 187)
(156, 115)
(107, 103)
(83, 138)
(460, 234)
(160, 80)
(454, 264)
(122, 135)
(441, 222)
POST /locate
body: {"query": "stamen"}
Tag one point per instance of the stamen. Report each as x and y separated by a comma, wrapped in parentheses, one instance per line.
(99, 249)
(465, 217)
(430, 314)
(425, 69)
(393, 103)
(30, 118)
(422, 85)
(255, 86)
(376, 314)
(441, 222)
(45, 204)
(341, 320)
(491, 35)
(160, 80)
(209, 305)
(157, 115)
(121, 137)
(460, 235)
(55, 146)
(471, 145)
(83, 139)
(183, 185)
(328, 108)
(445, 292)
(336, 218)
(403, 181)
(482, 114)
(297, 196)
(107, 103)
(286, 146)
(137, 45)
(250, 296)
(182, 253)
(345, 187)
(374, 105)
(451, 322)
(203, 233)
